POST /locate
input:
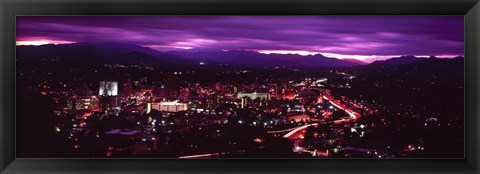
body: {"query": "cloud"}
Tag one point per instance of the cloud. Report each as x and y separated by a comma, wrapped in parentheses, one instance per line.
(343, 35)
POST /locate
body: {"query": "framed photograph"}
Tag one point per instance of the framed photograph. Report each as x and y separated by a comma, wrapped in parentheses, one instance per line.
(239, 86)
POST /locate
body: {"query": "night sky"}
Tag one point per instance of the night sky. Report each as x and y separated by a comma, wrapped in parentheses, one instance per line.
(361, 37)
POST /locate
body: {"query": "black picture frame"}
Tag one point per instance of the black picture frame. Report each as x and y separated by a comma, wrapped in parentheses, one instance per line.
(11, 8)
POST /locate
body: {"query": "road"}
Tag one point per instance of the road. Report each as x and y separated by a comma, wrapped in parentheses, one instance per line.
(298, 132)
(353, 116)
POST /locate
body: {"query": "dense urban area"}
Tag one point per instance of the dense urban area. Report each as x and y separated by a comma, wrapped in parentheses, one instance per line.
(143, 106)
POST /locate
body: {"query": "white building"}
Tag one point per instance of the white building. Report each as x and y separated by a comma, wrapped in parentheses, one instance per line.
(170, 106)
(254, 95)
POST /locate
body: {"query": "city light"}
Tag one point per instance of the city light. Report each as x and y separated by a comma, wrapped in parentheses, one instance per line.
(188, 93)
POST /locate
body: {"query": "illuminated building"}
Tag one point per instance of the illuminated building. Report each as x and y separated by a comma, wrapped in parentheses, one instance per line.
(84, 101)
(169, 106)
(273, 89)
(108, 88)
(244, 102)
(108, 91)
(81, 105)
(296, 108)
(254, 95)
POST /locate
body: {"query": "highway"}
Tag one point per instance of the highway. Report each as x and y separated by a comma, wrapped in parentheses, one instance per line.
(298, 132)
(353, 116)
(298, 129)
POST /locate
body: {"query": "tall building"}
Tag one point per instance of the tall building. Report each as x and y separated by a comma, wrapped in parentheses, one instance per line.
(108, 88)
(244, 102)
(108, 91)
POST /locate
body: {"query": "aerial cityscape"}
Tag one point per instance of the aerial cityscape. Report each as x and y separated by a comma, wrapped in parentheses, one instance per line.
(186, 87)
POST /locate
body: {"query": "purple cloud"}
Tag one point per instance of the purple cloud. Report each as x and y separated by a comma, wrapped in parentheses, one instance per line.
(334, 35)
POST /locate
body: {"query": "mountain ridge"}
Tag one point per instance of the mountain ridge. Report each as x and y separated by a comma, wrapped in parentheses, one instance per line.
(113, 52)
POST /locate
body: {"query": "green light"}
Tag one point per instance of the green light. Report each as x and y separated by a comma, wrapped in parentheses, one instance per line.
(335, 150)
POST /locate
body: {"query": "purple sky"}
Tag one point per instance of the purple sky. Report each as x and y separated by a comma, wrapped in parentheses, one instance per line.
(361, 37)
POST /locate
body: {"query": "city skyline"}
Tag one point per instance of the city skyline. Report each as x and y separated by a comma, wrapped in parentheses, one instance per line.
(209, 87)
(366, 38)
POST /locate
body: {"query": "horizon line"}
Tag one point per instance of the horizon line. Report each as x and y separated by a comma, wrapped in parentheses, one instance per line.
(362, 58)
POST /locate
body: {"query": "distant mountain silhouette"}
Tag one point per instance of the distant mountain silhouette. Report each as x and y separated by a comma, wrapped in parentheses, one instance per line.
(253, 58)
(120, 47)
(422, 65)
(101, 53)
(399, 60)
(129, 54)
(98, 55)
(434, 64)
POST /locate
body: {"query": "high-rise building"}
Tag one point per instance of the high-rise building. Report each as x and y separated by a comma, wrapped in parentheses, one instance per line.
(108, 88)
(244, 102)
(108, 92)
